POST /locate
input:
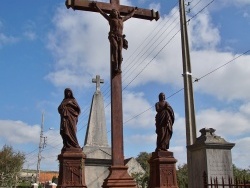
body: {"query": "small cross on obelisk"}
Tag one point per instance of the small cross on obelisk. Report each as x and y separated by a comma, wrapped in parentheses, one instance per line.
(118, 14)
(98, 82)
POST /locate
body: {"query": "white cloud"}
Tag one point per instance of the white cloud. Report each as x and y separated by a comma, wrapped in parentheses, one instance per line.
(18, 132)
(242, 2)
(138, 139)
(155, 6)
(233, 126)
(239, 154)
(66, 77)
(203, 34)
(245, 109)
(133, 104)
(246, 15)
(146, 64)
(230, 124)
(30, 35)
(71, 44)
(4, 39)
(228, 82)
(29, 30)
(220, 4)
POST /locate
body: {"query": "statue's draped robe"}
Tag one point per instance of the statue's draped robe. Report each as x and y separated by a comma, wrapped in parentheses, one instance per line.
(164, 124)
(69, 111)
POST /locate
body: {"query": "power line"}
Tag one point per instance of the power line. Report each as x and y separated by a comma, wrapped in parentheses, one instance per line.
(31, 152)
(151, 48)
(148, 45)
(151, 59)
(196, 80)
(201, 10)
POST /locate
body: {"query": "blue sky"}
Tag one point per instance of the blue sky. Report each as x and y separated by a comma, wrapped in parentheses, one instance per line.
(45, 47)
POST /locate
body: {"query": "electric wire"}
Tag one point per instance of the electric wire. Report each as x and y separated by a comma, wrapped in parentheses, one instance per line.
(151, 60)
(200, 10)
(196, 80)
(149, 47)
(151, 40)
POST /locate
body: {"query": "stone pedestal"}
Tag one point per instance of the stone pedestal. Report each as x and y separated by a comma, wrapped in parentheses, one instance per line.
(119, 177)
(97, 163)
(71, 169)
(211, 154)
(162, 170)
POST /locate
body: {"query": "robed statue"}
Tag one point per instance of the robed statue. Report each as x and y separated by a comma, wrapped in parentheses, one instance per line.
(69, 111)
(164, 121)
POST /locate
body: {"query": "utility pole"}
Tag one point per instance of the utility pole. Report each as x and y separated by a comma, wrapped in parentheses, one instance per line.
(41, 147)
(188, 90)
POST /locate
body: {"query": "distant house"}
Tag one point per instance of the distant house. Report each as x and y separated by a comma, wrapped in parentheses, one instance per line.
(27, 175)
(133, 166)
(47, 176)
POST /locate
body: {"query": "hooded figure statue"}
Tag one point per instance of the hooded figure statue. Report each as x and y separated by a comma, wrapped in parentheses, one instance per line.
(164, 121)
(69, 111)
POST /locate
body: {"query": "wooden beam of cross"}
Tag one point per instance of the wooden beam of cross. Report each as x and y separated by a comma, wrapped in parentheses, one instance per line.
(114, 4)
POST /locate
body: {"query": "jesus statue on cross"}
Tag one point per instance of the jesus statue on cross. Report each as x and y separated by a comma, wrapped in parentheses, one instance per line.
(116, 36)
(116, 14)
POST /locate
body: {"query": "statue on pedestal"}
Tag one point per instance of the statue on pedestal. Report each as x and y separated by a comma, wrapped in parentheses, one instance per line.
(164, 121)
(71, 159)
(69, 111)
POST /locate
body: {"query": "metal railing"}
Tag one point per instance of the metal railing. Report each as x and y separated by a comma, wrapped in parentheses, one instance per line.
(224, 183)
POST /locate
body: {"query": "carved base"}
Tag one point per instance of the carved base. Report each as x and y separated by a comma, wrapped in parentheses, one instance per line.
(162, 170)
(119, 177)
(71, 169)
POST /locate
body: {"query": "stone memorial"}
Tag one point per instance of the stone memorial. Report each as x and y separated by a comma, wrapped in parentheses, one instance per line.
(211, 154)
(96, 148)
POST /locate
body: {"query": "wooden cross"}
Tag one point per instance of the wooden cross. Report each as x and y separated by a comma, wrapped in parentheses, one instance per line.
(118, 176)
(114, 4)
(98, 82)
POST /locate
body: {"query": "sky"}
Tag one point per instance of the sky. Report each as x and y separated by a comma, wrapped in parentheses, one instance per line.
(45, 48)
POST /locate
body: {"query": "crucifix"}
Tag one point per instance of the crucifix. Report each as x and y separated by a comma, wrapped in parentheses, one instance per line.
(118, 176)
